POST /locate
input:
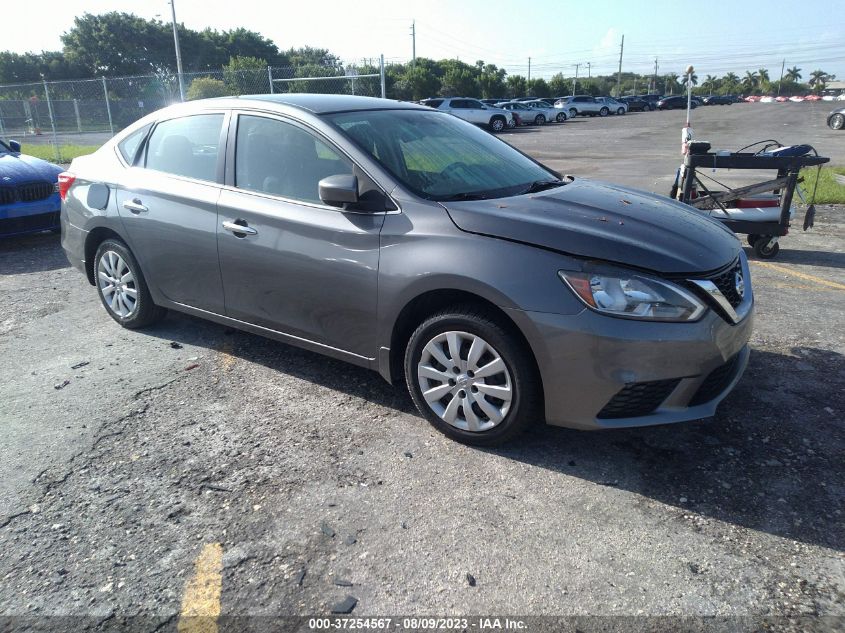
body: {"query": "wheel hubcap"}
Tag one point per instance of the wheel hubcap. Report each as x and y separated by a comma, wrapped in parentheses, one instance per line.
(465, 381)
(117, 284)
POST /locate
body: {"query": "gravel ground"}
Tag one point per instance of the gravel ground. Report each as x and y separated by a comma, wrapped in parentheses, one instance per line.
(126, 453)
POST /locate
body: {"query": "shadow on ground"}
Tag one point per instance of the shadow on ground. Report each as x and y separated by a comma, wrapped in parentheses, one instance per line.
(40, 252)
(769, 461)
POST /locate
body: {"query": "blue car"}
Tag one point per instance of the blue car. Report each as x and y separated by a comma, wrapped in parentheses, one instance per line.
(29, 198)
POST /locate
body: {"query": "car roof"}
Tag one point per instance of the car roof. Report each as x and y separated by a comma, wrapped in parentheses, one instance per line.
(318, 103)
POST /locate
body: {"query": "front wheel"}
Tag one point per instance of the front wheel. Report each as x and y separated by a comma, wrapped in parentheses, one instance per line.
(471, 377)
(561, 117)
(762, 248)
(573, 113)
(651, 107)
(604, 111)
(122, 287)
(497, 124)
(540, 119)
(837, 121)
(620, 111)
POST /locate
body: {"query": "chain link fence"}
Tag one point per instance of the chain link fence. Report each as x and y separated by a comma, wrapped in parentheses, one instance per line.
(90, 111)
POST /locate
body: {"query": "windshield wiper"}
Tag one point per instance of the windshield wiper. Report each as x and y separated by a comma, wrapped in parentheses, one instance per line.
(542, 185)
(467, 195)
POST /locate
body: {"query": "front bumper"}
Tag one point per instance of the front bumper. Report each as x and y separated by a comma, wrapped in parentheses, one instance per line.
(593, 366)
(20, 218)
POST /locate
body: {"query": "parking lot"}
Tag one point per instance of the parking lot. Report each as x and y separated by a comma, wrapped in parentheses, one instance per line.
(190, 468)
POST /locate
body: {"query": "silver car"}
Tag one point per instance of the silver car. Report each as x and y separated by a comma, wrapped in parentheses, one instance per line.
(548, 111)
(407, 241)
(474, 111)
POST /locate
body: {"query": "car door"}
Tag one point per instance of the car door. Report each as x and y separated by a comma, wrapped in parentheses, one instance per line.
(477, 112)
(289, 262)
(167, 203)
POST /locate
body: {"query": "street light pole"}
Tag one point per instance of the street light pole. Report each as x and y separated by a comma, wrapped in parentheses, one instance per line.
(178, 51)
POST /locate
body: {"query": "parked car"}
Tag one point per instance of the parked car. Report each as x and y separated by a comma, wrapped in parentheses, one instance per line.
(672, 103)
(29, 200)
(718, 100)
(583, 105)
(836, 119)
(472, 110)
(491, 102)
(636, 104)
(527, 115)
(547, 110)
(616, 106)
(652, 100)
(407, 241)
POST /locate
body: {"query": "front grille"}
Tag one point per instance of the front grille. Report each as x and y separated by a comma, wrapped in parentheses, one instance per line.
(29, 192)
(27, 223)
(715, 383)
(638, 398)
(726, 283)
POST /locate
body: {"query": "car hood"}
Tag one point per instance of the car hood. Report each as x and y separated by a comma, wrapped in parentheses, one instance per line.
(598, 220)
(20, 168)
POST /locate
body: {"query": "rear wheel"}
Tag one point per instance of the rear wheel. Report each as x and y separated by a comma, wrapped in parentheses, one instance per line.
(604, 111)
(652, 107)
(620, 111)
(540, 119)
(122, 287)
(573, 113)
(561, 117)
(837, 121)
(752, 239)
(471, 377)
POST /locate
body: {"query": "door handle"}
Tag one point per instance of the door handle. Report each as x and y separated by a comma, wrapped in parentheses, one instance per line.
(135, 206)
(240, 230)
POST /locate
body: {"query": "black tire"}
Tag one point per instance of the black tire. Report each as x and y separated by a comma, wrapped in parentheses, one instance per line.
(144, 312)
(526, 403)
(837, 121)
(652, 107)
(561, 117)
(604, 111)
(761, 248)
(573, 113)
(620, 111)
(498, 123)
(540, 119)
(752, 239)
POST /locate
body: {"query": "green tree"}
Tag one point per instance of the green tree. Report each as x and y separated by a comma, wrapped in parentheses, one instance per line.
(538, 88)
(246, 75)
(751, 80)
(491, 81)
(205, 88)
(763, 78)
(818, 79)
(515, 86)
(793, 74)
(693, 79)
(458, 80)
(730, 83)
(557, 85)
(710, 83)
(671, 83)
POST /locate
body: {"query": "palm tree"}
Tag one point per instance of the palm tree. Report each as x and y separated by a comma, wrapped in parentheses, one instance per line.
(710, 80)
(671, 82)
(750, 80)
(763, 76)
(818, 78)
(793, 74)
(694, 79)
(731, 81)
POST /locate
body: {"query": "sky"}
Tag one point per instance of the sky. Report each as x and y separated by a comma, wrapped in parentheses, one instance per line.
(715, 36)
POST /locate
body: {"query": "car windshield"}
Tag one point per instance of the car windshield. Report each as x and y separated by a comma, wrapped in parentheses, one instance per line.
(440, 157)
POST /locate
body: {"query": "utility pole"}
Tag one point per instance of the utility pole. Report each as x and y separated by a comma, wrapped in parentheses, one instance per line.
(654, 83)
(619, 74)
(780, 83)
(589, 76)
(529, 69)
(178, 51)
(575, 79)
(414, 43)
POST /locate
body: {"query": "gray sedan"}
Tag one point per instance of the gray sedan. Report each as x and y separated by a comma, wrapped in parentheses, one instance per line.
(402, 239)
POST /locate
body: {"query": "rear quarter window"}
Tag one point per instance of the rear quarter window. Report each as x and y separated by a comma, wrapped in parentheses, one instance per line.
(128, 147)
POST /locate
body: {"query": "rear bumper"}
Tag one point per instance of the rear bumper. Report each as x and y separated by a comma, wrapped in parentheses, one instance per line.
(594, 368)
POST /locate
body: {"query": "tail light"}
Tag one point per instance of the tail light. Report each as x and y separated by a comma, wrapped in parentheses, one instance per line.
(65, 181)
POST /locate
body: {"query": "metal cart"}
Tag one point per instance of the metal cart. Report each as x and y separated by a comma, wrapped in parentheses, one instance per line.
(764, 218)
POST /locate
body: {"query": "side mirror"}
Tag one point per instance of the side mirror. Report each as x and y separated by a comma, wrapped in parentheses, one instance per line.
(15, 146)
(339, 190)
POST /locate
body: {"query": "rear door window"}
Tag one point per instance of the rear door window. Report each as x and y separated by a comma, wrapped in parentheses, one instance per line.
(187, 146)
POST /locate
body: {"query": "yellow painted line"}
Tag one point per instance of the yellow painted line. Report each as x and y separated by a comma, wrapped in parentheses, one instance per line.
(201, 602)
(795, 273)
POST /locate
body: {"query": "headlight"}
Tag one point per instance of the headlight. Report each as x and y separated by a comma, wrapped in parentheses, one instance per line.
(634, 296)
